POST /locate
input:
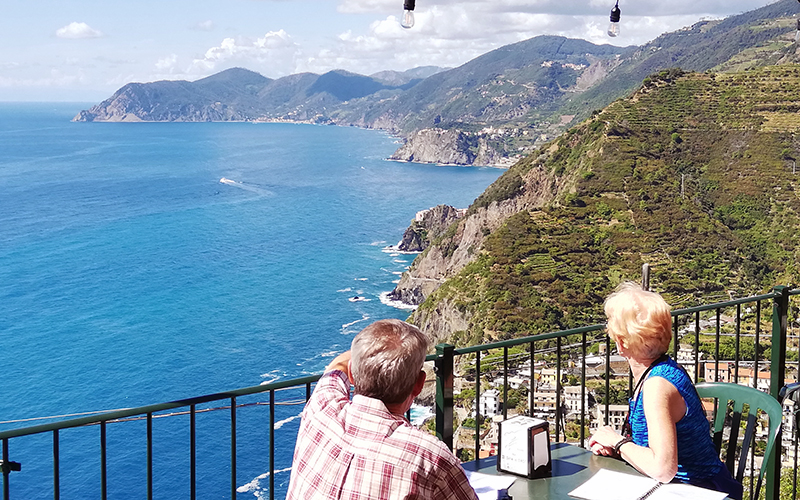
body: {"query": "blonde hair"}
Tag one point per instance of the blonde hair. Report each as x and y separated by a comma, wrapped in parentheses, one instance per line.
(387, 357)
(639, 320)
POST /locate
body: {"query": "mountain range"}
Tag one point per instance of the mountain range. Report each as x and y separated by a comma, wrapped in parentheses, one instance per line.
(497, 107)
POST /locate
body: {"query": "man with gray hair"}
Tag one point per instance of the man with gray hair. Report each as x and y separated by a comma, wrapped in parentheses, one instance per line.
(365, 449)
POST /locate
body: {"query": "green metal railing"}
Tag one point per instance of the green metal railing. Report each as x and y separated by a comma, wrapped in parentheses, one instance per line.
(778, 299)
(557, 347)
(149, 413)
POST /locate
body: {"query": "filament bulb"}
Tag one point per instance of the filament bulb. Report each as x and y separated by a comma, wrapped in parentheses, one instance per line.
(408, 14)
(613, 27)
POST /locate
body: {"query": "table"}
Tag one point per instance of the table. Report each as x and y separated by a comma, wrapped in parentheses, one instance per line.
(571, 464)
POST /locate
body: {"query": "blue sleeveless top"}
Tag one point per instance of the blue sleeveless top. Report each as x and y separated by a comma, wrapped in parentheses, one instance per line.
(697, 458)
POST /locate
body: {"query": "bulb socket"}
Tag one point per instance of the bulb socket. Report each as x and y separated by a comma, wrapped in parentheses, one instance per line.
(615, 14)
(410, 4)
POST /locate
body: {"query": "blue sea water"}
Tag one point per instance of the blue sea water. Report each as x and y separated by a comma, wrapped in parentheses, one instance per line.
(130, 275)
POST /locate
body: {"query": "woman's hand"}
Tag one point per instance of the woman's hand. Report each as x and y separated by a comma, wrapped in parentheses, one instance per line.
(603, 441)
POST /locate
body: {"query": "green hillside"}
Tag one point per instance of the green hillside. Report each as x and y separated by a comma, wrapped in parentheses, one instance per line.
(694, 174)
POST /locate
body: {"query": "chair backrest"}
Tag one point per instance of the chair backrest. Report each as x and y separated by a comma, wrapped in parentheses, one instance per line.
(740, 395)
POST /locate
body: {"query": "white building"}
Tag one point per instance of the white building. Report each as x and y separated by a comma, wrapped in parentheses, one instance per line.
(543, 400)
(489, 403)
(514, 382)
(616, 416)
(572, 398)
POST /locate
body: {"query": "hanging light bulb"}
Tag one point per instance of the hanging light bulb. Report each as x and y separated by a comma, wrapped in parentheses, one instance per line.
(408, 14)
(613, 27)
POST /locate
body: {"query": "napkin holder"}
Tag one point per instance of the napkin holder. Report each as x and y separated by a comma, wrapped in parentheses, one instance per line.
(524, 445)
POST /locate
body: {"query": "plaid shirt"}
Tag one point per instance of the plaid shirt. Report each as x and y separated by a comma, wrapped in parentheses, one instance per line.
(359, 451)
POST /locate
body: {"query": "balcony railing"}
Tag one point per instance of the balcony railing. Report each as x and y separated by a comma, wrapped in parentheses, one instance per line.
(750, 324)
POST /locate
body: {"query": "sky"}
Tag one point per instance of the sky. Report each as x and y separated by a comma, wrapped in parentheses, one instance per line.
(84, 50)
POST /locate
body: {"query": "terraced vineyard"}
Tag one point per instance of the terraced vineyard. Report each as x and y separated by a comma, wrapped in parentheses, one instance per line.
(694, 174)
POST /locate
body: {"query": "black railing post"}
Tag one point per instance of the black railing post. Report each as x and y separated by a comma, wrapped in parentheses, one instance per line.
(103, 462)
(780, 312)
(559, 414)
(56, 468)
(272, 445)
(505, 386)
(233, 448)
(444, 393)
(193, 452)
(583, 389)
(149, 456)
(738, 341)
(6, 471)
(477, 400)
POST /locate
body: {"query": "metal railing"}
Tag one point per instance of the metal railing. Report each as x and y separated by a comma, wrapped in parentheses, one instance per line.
(565, 351)
(551, 349)
(149, 414)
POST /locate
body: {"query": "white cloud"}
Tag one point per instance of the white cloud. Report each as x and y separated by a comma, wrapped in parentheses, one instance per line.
(167, 63)
(275, 52)
(204, 26)
(451, 32)
(78, 30)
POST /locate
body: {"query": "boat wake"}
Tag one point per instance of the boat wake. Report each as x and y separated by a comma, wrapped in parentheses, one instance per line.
(247, 187)
(348, 325)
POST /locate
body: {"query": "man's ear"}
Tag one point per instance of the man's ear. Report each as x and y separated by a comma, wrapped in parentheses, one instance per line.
(350, 374)
(419, 384)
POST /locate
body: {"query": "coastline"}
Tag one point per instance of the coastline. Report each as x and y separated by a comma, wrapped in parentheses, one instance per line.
(505, 164)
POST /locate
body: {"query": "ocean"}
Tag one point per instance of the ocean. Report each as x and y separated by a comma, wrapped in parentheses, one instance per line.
(142, 263)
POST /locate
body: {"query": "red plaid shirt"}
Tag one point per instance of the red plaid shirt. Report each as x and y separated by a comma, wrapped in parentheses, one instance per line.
(359, 451)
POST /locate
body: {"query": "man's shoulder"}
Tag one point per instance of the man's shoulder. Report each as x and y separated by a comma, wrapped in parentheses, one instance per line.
(333, 387)
(334, 380)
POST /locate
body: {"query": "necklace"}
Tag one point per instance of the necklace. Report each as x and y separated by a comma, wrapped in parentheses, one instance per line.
(627, 431)
(640, 382)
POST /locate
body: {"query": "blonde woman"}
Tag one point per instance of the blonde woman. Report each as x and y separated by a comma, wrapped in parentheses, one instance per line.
(666, 435)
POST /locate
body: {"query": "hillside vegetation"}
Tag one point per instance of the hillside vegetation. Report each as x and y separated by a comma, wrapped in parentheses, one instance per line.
(694, 174)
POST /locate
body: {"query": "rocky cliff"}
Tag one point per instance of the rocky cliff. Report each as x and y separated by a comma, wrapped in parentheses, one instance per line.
(429, 225)
(464, 240)
(437, 146)
(451, 147)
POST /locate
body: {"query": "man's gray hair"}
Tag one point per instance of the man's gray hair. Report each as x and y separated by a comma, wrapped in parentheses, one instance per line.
(386, 359)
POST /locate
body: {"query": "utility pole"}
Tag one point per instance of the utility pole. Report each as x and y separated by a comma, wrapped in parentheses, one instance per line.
(683, 186)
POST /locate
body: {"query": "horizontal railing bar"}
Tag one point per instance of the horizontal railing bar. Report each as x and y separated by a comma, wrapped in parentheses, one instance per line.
(134, 418)
(532, 338)
(290, 402)
(115, 415)
(597, 327)
(722, 305)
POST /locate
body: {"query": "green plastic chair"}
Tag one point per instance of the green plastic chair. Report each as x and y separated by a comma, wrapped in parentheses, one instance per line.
(740, 395)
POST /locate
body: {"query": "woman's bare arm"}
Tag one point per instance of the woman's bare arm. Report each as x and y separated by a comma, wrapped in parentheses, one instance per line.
(663, 408)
